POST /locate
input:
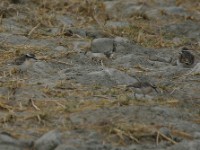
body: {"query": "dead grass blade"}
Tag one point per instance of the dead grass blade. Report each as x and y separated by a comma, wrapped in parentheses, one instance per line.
(33, 29)
(33, 104)
(182, 134)
(165, 137)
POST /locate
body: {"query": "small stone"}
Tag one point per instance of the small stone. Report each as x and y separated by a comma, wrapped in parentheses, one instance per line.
(60, 48)
(94, 34)
(6, 138)
(65, 20)
(9, 147)
(7, 142)
(117, 24)
(175, 11)
(196, 135)
(186, 145)
(65, 147)
(121, 40)
(79, 32)
(102, 45)
(48, 141)
(121, 44)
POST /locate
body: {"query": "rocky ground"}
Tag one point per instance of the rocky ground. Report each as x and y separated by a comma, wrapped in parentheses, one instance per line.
(74, 97)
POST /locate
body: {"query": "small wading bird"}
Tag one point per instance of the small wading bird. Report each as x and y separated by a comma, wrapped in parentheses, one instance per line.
(99, 57)
(142, 88)
(186, 58)
(25, 61)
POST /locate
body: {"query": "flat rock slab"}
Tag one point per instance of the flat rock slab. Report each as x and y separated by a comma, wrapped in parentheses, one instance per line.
(48, 141)
(102, 45)
(107, 77)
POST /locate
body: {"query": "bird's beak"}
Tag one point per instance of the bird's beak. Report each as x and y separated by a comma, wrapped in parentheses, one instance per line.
(155, 88)
(35, 58)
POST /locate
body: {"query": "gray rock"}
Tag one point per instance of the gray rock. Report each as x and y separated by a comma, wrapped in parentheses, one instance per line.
(9, 147)
(13, 39)
(7, 139)
(3, 91)
(175, 11)
(7, 142)
(107, 77)
(187, 28)
(65, 147)
(124, 9)
(101, 45)
(94, 33)
(117, 24)
(15, 26)
(186, 145)
(48, 141)
(60, 48)
(141, 97)
(79, 45)
(65, 20)
(196, 135)
(41, 68)
(120, 148)
(80, 32)
(154, 14)
(97, 147)
(121, 40)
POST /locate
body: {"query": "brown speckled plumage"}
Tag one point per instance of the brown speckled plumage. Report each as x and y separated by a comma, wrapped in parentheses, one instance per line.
(23, 57)
(142, 88)
(186, 58)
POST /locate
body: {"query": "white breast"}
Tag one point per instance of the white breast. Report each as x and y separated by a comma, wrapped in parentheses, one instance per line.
(26, 65)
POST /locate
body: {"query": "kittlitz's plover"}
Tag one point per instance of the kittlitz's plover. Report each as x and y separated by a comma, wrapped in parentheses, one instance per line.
(142, 88)
(99, 57)
(23, 57)
(186, 58)
(25, 61)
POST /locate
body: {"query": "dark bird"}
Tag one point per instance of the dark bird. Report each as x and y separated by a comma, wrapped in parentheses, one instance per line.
(186, 58)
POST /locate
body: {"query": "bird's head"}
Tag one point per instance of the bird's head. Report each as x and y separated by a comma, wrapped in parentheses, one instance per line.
(30, 56)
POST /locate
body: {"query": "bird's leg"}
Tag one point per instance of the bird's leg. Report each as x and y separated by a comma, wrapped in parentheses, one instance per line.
(144, 94)
(155, 89)
(102, 63)
(135, 95)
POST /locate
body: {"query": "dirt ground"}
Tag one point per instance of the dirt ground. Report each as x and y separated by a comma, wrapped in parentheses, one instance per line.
(75, 95)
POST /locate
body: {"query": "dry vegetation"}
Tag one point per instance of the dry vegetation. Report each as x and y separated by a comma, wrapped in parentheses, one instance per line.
(41, 115)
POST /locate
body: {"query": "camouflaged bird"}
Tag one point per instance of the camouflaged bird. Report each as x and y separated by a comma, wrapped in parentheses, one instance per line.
(142, 88)
(23, 57)
(25, 61)
(186, 58)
